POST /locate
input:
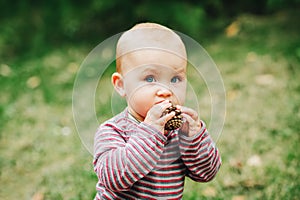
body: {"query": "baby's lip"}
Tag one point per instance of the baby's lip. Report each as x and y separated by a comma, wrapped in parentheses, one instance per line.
(161, 101)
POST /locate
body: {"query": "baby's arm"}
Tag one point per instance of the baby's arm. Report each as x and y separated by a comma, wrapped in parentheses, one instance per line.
(197, 149)
(200, 155)
(119, 163)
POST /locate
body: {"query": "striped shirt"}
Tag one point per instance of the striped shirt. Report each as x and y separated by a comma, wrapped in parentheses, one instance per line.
(135, 161)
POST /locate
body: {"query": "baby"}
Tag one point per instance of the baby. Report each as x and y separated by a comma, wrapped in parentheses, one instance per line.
(136, 156)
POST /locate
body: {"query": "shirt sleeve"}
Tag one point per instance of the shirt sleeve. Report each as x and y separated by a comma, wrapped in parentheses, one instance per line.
(200, 155)
(119, 162)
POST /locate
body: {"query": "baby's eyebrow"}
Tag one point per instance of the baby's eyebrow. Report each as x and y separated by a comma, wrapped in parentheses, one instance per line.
(156, 69)
(181, 70)
(151, 69)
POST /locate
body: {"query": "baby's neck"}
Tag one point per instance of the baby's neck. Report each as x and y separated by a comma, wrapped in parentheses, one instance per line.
(132, 116)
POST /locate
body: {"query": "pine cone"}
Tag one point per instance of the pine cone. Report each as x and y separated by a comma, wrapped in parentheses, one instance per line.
(176, 121)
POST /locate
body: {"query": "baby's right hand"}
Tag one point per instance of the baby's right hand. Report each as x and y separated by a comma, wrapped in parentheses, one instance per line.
(154, 116)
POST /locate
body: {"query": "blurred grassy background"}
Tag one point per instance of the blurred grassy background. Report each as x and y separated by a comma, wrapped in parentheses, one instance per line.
(255, 44)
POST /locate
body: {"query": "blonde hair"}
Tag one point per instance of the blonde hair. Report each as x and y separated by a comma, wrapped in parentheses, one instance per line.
(148, 35)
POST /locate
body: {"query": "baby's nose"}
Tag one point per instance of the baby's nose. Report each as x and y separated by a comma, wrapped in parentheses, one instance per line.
(164, 92)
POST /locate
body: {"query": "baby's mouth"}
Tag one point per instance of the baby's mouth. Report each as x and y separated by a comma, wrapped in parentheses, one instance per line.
(162, 101)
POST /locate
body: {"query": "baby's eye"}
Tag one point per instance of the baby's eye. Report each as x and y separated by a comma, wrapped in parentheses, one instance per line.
(175, 79)
(150, 79)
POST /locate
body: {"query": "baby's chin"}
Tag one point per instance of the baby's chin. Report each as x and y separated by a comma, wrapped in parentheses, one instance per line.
(141, 116)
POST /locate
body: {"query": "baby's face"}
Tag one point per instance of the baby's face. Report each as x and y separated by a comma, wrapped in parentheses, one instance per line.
(151, 76)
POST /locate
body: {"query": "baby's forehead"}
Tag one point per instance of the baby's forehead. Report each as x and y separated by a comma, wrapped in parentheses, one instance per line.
(154, 70)
(153, 60)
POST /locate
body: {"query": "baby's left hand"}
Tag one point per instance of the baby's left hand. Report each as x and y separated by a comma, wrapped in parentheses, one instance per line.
(191, 124)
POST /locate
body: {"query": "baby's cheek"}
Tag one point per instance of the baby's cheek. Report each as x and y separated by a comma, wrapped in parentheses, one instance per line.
(179, 94)
(143, 104)
(179, 99)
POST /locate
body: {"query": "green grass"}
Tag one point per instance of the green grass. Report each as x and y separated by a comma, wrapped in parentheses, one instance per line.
(42, 156)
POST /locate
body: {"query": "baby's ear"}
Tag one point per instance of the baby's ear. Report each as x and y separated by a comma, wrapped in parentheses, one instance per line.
(117, 81)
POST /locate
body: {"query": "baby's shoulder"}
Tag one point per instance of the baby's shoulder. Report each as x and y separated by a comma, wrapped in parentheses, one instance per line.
(119, 121)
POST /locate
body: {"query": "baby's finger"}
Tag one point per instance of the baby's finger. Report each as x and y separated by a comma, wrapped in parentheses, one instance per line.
(188, 118)
(167, 117)
(159, 108)
(191, 121)
(192, 113)
(191, 126)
